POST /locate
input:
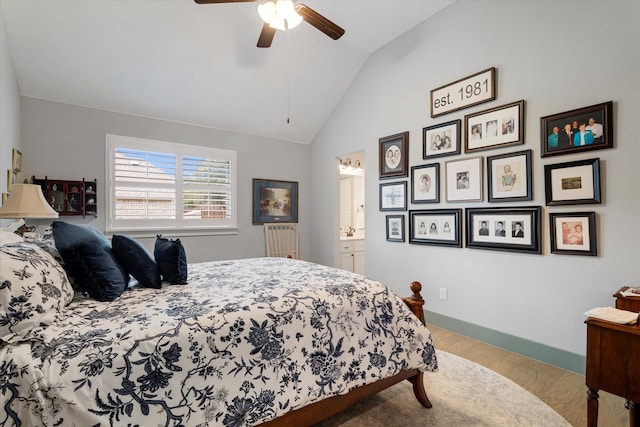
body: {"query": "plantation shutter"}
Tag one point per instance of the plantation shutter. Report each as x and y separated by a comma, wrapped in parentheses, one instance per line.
(158, 185)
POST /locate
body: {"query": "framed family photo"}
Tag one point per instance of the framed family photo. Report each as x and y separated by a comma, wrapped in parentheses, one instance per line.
(464, 179)
(494, 128)
(573, 233)
(509, 177)
(274, 201)
(582, 129)
(425, 183)
(394, 155)
(514, 229)
(393, 196)
(395, 228)
(572, 183)
(441, 140)
(440, 227)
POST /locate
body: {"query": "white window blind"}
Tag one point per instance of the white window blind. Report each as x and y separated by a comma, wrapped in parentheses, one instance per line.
(156, 186)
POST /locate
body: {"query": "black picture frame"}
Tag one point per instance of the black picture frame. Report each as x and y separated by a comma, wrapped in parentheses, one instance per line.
(509, 177)
(554, 143)
(568, 230)
(394, 155)
(439, 227)
(425, 183)
(274, 201)
(572, 183)
(521, 225)
(393, 196)
(395, 228)
(496, 127)
(441, 140)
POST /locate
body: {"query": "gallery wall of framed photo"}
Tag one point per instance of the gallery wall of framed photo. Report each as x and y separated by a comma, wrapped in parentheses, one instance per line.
(456, 181)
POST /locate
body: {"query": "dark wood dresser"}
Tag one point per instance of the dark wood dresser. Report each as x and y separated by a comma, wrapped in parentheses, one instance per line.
(613, 361)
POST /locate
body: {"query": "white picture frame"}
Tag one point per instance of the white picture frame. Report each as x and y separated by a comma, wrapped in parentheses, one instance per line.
(464, 179)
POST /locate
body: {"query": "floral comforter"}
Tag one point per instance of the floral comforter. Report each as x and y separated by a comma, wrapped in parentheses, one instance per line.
(244, 342)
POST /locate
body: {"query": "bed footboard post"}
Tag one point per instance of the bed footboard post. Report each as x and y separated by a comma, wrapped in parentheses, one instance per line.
(415, 302)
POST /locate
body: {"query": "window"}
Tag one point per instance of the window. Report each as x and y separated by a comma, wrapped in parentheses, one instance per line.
(154, 186)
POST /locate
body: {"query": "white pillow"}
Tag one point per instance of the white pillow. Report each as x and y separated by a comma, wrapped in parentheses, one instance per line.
(34, 289)
(8, 237)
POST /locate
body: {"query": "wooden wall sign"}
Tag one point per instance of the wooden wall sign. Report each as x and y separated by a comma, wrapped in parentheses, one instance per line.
(463, 93)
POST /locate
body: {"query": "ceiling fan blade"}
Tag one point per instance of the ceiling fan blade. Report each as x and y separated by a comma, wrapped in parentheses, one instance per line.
(222, 1)
(319, 21)
(266, 36)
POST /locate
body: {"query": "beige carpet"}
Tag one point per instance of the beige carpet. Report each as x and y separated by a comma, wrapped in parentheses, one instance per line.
(463, 393)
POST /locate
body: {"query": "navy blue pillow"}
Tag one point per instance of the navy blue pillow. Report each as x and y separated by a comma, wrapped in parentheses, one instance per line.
(136, 260)
(172, 260)
(87, 255)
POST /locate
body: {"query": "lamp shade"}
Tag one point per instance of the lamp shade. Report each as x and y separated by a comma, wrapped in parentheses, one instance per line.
(27, 201)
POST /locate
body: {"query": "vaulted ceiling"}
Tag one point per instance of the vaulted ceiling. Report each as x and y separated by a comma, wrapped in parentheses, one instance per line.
(199, 64)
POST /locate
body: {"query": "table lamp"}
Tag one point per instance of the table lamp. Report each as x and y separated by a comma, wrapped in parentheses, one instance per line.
(26, 201)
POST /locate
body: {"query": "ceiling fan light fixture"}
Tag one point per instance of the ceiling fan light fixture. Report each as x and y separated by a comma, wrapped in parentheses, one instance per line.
(293, 20)
(284, 8)
(276, 12)
(277, 22)
(267, 11)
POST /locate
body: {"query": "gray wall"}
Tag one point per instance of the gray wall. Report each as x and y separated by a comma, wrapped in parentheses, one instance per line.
(62, 141)
(554, 68)
(9, 110)
(540, 298)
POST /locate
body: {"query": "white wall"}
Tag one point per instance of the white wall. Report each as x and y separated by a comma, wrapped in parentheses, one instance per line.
(9, 110)
(554, 67)
(62, 141)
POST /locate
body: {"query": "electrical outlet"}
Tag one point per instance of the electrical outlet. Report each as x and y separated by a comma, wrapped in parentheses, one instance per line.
(443, 294)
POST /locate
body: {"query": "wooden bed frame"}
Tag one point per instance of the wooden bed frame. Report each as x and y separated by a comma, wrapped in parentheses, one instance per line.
(318, 411)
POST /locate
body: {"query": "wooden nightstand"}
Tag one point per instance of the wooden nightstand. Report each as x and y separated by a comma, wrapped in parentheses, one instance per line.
(613, 365)
(627, 303)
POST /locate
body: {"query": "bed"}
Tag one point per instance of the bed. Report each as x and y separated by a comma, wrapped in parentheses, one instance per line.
(262, 341)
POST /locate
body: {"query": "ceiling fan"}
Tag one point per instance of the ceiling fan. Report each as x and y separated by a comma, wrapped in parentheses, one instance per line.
(285, 14)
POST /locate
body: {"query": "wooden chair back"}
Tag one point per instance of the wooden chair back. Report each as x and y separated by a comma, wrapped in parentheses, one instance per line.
(282, 240)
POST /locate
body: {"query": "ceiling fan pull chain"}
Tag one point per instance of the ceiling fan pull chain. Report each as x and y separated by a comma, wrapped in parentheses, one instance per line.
(288, 75)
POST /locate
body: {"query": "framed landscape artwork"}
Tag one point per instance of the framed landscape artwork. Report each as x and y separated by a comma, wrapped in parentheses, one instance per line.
(274, 201)
(16, 160)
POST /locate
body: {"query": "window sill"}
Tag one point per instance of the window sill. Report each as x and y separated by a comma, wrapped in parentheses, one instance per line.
(177, 232)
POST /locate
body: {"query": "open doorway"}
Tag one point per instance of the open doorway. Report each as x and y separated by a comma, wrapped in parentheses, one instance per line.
(352, 208)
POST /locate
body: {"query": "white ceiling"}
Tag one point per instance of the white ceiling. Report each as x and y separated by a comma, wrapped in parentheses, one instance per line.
(199, 64)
